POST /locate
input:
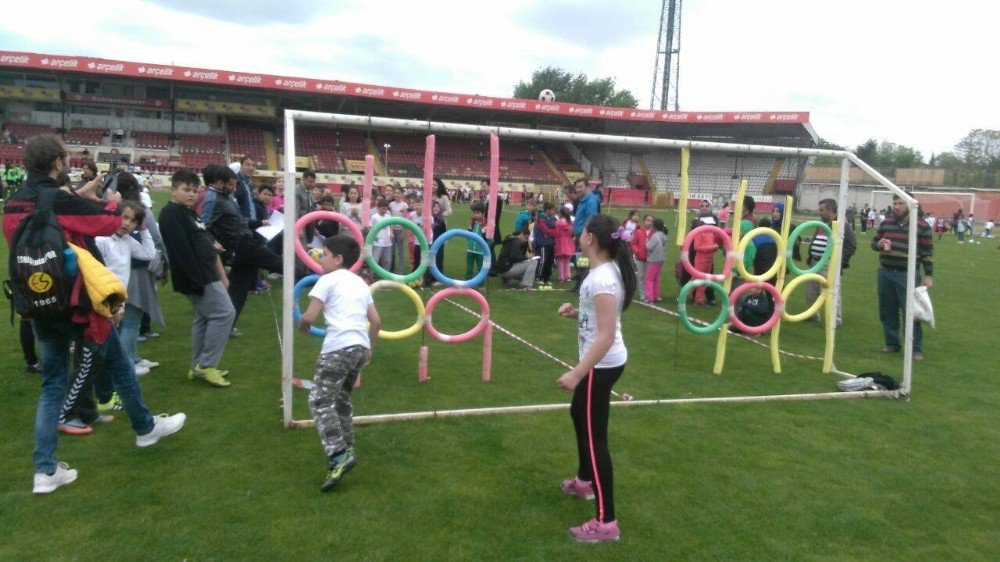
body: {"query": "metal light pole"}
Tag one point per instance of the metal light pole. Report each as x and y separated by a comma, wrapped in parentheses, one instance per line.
(385, 159)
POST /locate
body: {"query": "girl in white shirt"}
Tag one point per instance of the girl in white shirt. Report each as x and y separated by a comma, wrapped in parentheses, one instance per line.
(382, 249)
(606, 291)
(118, 251)
(350, 205)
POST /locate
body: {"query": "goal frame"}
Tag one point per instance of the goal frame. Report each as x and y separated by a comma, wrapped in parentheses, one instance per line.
(431, 127)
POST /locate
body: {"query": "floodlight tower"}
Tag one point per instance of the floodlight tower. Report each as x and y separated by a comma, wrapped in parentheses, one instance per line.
(666, 75)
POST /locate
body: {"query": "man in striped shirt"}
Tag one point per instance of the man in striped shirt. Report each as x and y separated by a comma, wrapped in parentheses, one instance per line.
(891, 242)
(828, 214)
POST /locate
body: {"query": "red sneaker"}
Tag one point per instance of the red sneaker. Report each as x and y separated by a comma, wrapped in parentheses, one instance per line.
(595, 531)
(576, 487)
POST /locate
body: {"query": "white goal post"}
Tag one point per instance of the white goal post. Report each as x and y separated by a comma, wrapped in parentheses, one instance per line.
(431, 127)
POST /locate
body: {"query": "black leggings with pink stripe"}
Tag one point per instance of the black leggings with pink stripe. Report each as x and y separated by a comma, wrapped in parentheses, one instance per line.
(589, 409)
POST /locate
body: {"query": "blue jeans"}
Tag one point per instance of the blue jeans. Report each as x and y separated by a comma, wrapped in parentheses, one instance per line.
(129, 331)
(892, 304)
(54, 337)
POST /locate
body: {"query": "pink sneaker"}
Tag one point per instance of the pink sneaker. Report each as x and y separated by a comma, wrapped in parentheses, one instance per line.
(576, 487)
(595, 531)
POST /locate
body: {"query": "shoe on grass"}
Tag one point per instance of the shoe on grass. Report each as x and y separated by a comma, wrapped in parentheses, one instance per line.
(339, 468)
(576, 487)
(595, 531)
(917, 356)
(163, 425)
(33, 369)
(148, 364)
(112, 405)
(74, 426)
(234, 333)
(102, 419)
(142, 339)
(150, 335)
(140, 370)
(889, 349)
(212, 375)
(47, 483)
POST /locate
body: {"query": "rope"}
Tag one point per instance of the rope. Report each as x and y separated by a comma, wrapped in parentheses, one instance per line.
(512, 335)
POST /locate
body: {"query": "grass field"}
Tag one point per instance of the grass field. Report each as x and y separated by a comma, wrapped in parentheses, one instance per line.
(847, 479)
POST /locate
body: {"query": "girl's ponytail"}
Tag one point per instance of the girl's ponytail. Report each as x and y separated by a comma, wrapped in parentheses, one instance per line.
(614, 238)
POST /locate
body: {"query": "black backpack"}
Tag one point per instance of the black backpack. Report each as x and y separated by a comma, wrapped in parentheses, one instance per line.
(39, 286)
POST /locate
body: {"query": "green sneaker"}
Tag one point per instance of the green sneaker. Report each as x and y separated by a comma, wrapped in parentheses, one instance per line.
(211, 375)
(339, 469)
(112, 405)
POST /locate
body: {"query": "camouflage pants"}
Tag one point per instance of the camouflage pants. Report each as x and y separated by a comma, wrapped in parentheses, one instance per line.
(330, 399)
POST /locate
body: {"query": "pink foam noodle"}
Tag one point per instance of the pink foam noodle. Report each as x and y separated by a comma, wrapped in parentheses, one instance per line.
(428, 187)
(357, 382)
(487, 351)
(366, 191)
(491, 216)
(422, 366)
(344, 221)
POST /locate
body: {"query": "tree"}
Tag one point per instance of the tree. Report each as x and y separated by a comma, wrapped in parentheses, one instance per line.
(575, 88)
(827, 160)
(980, 149)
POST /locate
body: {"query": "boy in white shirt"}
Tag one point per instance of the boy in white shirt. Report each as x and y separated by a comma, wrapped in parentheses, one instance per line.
(352, 324)
(382, 249)
(118, 251)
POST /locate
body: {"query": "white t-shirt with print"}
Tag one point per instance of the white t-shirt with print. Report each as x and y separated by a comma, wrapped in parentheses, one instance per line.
(345, 299)
(604, 279)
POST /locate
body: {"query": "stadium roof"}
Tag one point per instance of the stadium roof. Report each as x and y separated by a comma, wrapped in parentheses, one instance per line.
(350, 97)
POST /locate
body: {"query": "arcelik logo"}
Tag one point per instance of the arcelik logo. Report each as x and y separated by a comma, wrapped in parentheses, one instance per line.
(16, 59)
(364, 91)
(201, 75)
(784, 116)
(245, 79)
(412, 96)
(747, 117)
(286, 83)
(709, 117)
(612, 112)
(156, 70)
(340, 88)
(672, 116)
(642, 114)
(547, 106)
(105, 67)
(479, 102)
(444, 99)
(514, 104)
(60, 63)
(582, 110)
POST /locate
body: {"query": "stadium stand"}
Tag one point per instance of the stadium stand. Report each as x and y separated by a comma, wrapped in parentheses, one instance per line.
(198, 151)
(24, 131)
(151, 140)
(246, 140)
(85, 136)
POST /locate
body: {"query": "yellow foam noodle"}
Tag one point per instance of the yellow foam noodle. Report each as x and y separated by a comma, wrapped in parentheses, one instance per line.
(779, 283)
(830, 312)
(682, 205)
(720, 347)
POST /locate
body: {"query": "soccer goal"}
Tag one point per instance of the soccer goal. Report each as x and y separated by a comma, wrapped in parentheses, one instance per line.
(689, 151)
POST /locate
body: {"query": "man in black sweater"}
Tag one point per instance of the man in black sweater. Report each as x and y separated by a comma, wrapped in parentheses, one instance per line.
(197, 273)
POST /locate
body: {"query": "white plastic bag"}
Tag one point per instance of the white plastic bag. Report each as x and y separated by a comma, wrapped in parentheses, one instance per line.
(923, 311)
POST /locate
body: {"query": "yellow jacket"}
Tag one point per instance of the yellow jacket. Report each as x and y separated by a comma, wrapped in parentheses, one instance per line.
(106, 292)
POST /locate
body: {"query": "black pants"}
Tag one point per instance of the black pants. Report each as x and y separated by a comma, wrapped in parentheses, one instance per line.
(243, 271)
(88, 376)
(589, 409)
(545, 266)
(28, 343)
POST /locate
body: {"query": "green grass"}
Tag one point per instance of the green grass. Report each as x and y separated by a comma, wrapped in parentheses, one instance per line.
(846, 479)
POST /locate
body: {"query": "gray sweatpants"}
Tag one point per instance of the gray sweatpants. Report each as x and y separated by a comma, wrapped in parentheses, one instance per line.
(330, 399)
(213, 320)
(640, 275)
(525, 270)
(382, 256)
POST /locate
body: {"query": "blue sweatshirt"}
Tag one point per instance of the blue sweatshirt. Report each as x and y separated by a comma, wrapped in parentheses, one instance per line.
(586, 207)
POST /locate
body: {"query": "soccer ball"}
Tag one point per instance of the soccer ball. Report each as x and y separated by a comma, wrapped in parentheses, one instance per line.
(546, 95)
(316, 254)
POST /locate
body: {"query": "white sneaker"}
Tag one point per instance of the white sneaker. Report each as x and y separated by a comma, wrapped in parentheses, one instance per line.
(148, 364)
(140, 370)
(45, 484)
(163, 425)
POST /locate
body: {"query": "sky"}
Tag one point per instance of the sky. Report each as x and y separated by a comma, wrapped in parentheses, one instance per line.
(920, 74)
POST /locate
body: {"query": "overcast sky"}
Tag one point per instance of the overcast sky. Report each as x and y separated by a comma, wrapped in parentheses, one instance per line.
(917, 73)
